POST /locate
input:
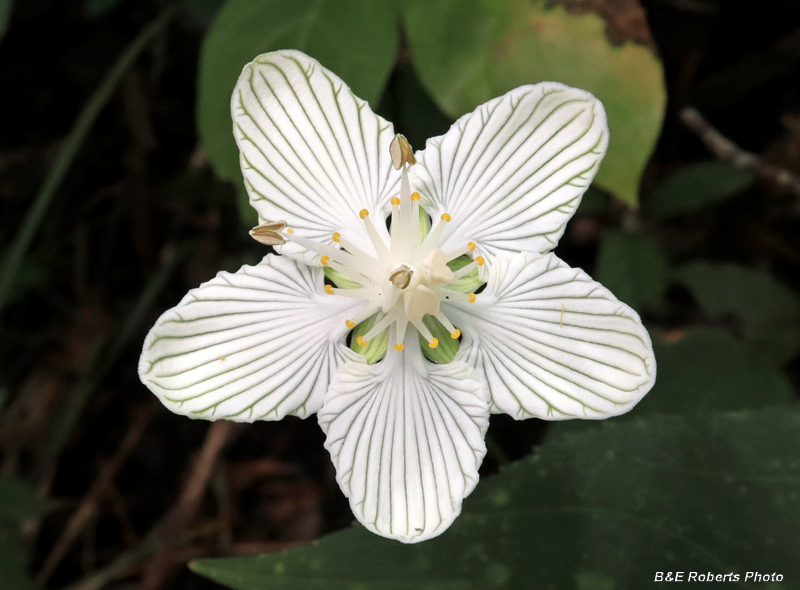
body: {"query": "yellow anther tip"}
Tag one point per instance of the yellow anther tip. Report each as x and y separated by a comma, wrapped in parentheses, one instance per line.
(395, 201)
(363, 213)
(336, 237)
(415, 197)
(472, 297)
(361, 341)
(455, 334)
(329, 289)
(445, 217)
(289, 230)
(480, 260)
(434, 343)
(471, 246)
(349, 324)
(324, 261)
(399, 347)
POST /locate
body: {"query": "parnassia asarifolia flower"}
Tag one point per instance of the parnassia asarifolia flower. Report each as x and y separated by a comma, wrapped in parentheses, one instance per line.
(338, 192)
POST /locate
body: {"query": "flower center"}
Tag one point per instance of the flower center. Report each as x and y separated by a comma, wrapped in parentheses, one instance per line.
(405, 281)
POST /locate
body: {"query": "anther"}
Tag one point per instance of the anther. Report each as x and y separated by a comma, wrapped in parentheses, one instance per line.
(363, 213)
(361, 341)
(401, 277)
(269, 233)
(471, 298)
(349, 324)
(289, 230)
(395, 201)
(471, 246)
(445, 217)
(415, 196)
(434, 343)
(324, 260)
(455, 334)
(399, 347)
(329, 289)
(336, 237)
(480, 260)
(401, 152)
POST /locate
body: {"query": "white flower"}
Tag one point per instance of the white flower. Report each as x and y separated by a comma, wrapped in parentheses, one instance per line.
(406, 435)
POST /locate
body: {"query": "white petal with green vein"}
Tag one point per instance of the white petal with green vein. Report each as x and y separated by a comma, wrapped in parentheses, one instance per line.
(512, 172)
(406, 437)
(312, 153)
(551, 343)
(253, 345)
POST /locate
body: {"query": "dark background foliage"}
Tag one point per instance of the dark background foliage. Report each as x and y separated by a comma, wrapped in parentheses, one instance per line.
(129, 492)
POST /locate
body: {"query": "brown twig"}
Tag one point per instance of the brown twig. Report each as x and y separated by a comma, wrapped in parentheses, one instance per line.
(180, 516)
(88, 508)
(727, 151)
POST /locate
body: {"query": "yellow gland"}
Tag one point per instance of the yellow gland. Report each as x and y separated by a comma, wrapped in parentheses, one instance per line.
(329, 289)
(289, 230)
(363, 213)
(324, 260)
(480, 260)
(399, 347)
(349, 324)
(445, 217)
(361, 341)
(415, 197)
(472, 297)
(471, 246)
(455, 334)
(434, 343)
(395, 201)
(336, 236)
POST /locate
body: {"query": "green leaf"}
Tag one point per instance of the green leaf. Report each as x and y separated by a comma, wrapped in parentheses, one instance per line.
(606, 508)
(634, 267)
(18, 500)
(708, 370)
(13, 570)
(469, 51)
(5, 16)
(356, 39)
(697, 186)
(768, 311)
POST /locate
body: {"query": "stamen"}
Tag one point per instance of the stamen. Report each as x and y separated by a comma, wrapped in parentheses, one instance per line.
(426, 334)
(269, 234)
(447, 324)
(460, 252)
(454, 296)
(445, 217)
(434, 343)
(464, 270)
(377, 242)
(350, 324)
(336, 236)
(471, 298)
(324, 260)
(363, 213)
(329, 289)
(382, 325)
(363, 294)
(415, 196)
(399, 347)
(395, 202)
(456, 334)
(361, 341)
(432, 241)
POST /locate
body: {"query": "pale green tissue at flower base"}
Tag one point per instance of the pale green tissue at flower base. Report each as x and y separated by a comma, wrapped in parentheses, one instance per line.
(325, 174)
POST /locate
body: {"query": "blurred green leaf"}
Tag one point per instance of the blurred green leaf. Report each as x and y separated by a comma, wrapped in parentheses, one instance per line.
(594, 202)
(13, 570)
(204, 11)
(18, 500)
(708, 370)
(696, 186)
(470, 51)
(5, 16)
(606, 508)
(356, 39)
(769, 312)
(95, 7)
(634, 267)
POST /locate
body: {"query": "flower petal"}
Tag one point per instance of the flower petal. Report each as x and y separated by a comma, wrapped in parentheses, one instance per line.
(552, 343)
(406, 437)
(512, 172)
(255, 345)
(313, 154)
